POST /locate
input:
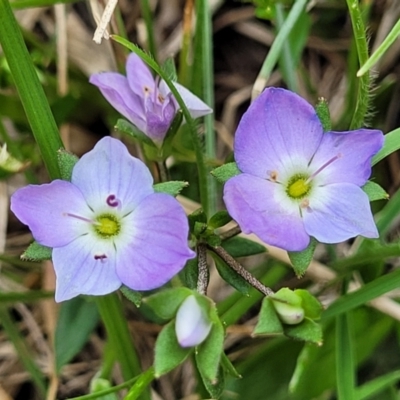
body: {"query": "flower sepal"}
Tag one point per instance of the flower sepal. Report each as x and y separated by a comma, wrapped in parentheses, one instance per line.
(132, 295)
(225, 172)
(173, 187)
(37, 252)
(126, 127)
(66, 163)
(301, 259)
(292, 313)
(374, 191)
(196, 328)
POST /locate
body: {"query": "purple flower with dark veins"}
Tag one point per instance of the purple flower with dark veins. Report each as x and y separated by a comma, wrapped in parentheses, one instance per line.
(296, 180)
(146, 102)
(107, 227)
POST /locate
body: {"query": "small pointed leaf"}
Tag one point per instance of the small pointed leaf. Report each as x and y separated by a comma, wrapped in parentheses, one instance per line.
(268, 321)
(225, 172)
(173, 188)
(37, 252)
(301, 259)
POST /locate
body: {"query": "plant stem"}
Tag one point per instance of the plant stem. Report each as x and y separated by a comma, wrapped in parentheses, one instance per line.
(246, 275)
(362, 53)
(230, 233)
(202, 280)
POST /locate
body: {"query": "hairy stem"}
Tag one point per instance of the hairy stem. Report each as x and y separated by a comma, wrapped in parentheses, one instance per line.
(202, 280)
(246, 275)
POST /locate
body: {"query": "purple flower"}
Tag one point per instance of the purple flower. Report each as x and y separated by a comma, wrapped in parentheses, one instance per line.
(107, 227)
(191, 326)
(298, 181)
(147, 102)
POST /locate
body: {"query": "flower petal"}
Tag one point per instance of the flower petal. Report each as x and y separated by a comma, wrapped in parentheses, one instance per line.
(78, 272)
(108, 170)
(355, 150)
(156, 248)
(159, 118)
(191, 325)
(339, 212)
(115, 88)
(139, 75)
(279, 131)
(196, 107)
(255, 205)
(44, 207)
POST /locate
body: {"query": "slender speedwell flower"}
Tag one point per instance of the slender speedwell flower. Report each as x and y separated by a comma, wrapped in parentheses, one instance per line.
(146, 102)
(296, 180)
(107, 227)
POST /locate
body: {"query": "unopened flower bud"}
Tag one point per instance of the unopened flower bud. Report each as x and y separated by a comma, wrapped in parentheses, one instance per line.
(288, 306)
(192, 325)
(288, 313)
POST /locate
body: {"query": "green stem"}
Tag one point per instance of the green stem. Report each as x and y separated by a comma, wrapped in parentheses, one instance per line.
(143, 381)
(362, 53)
(120, 340)
(201, 167)
(32, 96)
(207, 65)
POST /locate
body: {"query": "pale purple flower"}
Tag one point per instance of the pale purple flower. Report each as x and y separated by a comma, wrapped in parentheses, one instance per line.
(146, 102)
(107, 227)
(192, 325)
(296, 180)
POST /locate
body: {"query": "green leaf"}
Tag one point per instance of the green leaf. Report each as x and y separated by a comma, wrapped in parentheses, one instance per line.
(173, 188)
(368, 292)
(377, 385)
(311, 306)
(219, 219)
(242, 247)
(225, 172)
(33, 98)
(216, 387)
(268, 321)
(100, 384)
(323, 113)
(131, 130)
(66, 163)
(132, 295)
(345, 359)
(77, 320)
(190, 273)
(168, 353)
(390, 145)
(208, 353)
(301, 259)
(308, 331)
(228, 367)
(37, 252)
(374, 191)
(230, 276)
(166, 303)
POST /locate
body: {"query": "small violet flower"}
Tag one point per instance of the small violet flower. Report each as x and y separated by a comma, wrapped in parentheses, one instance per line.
(107, 227)
(146, 102)
(191, 326)
(296, 180)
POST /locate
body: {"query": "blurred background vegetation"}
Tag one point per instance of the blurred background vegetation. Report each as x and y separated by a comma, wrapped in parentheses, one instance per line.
(48, 351)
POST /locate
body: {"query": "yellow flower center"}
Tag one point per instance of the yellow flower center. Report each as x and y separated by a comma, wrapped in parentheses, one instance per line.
(107, 225)
(298, 187)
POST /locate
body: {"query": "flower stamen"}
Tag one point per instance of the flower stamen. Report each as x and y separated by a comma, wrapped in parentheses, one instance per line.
(312, 176)
(101, 257)
(81, 218)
